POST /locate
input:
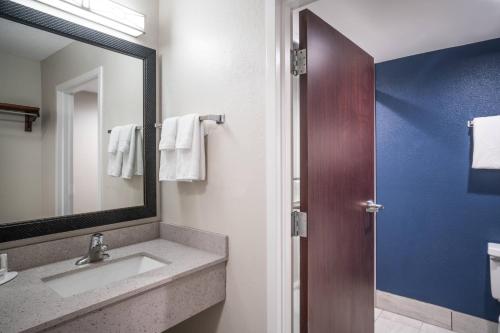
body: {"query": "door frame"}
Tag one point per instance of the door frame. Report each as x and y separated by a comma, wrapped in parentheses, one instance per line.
(279, 34)
(64, 140)
(279, 162)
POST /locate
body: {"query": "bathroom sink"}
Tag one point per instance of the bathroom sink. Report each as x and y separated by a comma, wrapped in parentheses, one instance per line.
(99, 275)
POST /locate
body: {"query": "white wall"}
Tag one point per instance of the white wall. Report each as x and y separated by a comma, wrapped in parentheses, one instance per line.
(122, 104)
(20, 151)
(85, 153)
(213, 61)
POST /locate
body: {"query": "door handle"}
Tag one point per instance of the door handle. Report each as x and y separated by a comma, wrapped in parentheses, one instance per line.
(372, 207)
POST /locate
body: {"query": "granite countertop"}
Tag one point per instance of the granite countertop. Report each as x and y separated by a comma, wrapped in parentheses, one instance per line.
(28, 304)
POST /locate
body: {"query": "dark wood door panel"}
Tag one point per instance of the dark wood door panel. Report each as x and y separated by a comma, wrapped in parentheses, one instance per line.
(337, 177)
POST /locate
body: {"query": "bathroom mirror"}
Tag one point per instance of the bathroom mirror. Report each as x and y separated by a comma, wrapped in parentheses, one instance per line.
(77, 136)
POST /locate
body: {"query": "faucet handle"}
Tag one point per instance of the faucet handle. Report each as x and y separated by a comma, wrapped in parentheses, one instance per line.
(96, 240)
(104, 248)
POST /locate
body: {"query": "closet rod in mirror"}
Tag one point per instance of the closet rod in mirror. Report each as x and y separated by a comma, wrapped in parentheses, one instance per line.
(30, 113)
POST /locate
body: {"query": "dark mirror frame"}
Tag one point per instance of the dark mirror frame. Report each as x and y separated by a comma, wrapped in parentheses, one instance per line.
(33, 228)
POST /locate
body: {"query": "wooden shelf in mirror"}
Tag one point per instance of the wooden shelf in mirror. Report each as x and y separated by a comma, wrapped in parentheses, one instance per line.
(30, 113)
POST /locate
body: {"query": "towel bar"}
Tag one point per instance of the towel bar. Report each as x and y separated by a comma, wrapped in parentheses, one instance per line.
(138, 128)
(218, 118)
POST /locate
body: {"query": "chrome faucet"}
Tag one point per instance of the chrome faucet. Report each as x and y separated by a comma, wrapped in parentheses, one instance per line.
(97, 251)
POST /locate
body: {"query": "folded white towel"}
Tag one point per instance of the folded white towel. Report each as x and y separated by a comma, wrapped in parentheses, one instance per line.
(167, 165)
(191, 162)
(139, 155)
(125, 137)
(132, 160)
(115, 161)
(168, 134)
(115, 157)
(486, 143)
(113, 139)
(185, 127)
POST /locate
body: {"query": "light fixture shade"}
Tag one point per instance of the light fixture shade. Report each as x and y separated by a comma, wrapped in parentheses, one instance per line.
(104, 12)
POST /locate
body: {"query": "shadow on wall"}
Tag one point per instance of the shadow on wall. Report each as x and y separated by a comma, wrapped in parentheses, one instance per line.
(407, 110)
(412, 113)
(208, 319)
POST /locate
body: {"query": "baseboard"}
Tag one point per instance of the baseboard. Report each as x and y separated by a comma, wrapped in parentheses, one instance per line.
(433, 314)
(464, 323)
(425, 312)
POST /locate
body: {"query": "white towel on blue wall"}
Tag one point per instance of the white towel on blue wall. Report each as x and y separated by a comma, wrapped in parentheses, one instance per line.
(486, 134)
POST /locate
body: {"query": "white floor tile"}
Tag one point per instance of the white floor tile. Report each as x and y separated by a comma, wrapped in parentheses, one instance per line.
(401, 319)
(426, 328)
(383, 325)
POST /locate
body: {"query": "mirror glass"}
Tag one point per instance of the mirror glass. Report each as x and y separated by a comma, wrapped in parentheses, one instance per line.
(59, 101)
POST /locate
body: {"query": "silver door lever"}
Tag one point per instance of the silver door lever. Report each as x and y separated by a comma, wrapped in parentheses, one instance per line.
(372, 207)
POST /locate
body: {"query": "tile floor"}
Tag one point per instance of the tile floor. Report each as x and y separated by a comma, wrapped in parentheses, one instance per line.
(388, 322)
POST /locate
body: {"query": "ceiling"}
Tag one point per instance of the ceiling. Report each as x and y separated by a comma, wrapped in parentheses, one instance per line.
(27, 42)
(390, 29)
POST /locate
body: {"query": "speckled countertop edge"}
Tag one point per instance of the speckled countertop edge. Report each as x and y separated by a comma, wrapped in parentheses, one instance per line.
(27, 304)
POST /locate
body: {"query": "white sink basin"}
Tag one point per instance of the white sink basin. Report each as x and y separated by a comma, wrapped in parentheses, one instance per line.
(92, 277)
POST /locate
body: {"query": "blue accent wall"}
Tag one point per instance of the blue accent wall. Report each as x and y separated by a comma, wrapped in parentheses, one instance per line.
(439, 213)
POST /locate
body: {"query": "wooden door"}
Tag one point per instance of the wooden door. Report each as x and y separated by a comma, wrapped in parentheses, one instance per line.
(337, 179)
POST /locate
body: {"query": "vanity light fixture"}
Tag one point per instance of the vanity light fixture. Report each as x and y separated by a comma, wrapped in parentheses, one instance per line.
(104, 12)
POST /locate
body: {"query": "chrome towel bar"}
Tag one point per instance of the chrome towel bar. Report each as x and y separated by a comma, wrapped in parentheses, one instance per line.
(218, 118)
(138, 128)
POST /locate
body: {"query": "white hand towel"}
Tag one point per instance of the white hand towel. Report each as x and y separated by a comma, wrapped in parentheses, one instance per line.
(132, 160)
(167, 165)
(115, 161)
(168, 134)
(115, 157)
(486, 143)
(125, 137)
(139, 154)
(113, 139)
(191, 162)
(185, 127)
(167, 149)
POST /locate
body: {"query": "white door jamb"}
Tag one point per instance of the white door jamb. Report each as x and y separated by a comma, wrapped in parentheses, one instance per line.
(64, 140)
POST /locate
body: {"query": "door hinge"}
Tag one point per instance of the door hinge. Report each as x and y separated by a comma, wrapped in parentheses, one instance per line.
(299, 62)
(299, 224)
